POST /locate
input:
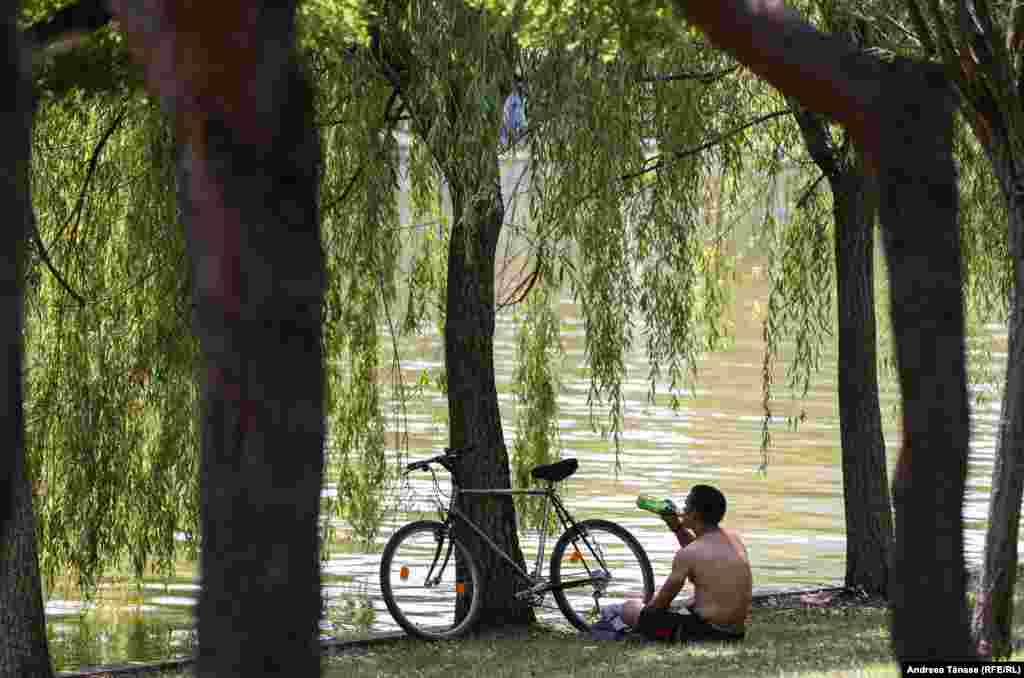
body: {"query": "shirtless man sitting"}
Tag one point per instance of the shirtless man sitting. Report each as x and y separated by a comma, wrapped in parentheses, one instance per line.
(715, 560)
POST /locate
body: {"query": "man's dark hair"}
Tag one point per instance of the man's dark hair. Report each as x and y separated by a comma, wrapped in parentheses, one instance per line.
(708, 503)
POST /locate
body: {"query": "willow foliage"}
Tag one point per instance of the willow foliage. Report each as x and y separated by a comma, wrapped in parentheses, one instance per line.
(111, 393)
(536, 387)
(360, 233)
(801, 270)
(621, 187)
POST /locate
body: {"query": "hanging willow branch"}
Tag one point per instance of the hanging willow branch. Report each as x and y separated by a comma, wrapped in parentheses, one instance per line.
(76, 213)
(388, 118)
(711, 143)
(45, 256)
(706, 78)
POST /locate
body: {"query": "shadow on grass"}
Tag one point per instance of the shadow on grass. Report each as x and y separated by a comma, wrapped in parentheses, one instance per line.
(804, 642)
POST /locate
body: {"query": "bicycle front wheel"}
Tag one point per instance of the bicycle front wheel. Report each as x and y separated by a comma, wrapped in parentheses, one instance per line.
(425, 592)
(595, 564)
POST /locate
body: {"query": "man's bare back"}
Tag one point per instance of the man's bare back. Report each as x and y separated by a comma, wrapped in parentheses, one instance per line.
(719, 568)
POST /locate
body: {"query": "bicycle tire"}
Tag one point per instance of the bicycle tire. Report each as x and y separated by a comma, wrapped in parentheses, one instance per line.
(570, 600)
(421, 610)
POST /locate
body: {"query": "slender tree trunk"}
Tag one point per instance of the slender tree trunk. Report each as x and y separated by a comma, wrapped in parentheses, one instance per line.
(249, 161)
(868, 508)
(23, 648)
(993, 612)
(900, 115)
(865, 485)
(474, 417)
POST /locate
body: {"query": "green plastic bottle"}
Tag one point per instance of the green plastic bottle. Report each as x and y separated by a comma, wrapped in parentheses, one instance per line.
(654, 505)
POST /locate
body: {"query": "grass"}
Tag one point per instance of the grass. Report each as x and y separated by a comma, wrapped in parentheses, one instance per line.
(789, 643)
(802, 642)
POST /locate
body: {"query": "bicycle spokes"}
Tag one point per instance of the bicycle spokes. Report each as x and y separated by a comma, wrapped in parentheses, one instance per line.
(428, 590)
(595, 564)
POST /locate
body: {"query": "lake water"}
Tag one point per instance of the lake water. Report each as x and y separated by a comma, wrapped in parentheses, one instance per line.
(791, 518)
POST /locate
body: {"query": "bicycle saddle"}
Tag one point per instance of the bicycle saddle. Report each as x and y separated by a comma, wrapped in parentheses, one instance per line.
(560, 470)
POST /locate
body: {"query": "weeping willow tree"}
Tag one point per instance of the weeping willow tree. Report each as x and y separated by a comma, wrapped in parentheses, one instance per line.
(616, 194)
(110, 357)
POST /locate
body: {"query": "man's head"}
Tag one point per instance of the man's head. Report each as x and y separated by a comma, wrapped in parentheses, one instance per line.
(705, 503)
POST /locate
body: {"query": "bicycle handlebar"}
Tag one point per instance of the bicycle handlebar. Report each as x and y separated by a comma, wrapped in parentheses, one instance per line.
(450, 454)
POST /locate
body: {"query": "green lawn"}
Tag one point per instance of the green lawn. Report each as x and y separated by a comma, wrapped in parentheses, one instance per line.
(794, 643)
(804, 642)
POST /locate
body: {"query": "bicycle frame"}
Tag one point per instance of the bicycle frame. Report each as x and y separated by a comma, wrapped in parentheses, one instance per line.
(537, 585)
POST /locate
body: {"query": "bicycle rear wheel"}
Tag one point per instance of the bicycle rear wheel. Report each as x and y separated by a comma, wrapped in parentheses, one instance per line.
(595, 564)
(425, 592)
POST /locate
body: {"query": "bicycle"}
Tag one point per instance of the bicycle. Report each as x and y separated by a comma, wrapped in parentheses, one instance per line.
(594, 562)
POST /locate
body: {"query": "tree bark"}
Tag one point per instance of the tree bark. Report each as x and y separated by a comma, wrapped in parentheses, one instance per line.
(866, 500)
(919, 207)
(865, 485)
(474, 417)
(900, 115)
(249, 176)
(993, 612)
(23, 647)
(24, 651)
(262, 418)
(15, 116)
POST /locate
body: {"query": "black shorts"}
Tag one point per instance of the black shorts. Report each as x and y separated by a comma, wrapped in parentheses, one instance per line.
(673, 626)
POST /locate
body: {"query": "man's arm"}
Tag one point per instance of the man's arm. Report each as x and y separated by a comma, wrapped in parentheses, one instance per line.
(674, 582)
(684, 535)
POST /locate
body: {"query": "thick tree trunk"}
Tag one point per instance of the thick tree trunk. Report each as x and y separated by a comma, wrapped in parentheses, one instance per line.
(993, 612)
(24, 651)
(474, 417)
(249, 161)
(865, 484)
(919, 210)
(263, 412)
(23, 648)
(868, 508)
(15, 126)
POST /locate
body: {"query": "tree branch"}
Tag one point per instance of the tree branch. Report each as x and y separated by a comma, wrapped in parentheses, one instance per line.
(679, 155)
(518, 294)
(84, 16)
(45, 256)
(814, 130)
(706, 78)
(359, 172)
(924, 33)
(945, 35)
(76, 213)
(802, 200)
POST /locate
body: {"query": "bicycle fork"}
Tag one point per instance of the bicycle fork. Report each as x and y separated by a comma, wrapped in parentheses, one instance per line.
(440, 541)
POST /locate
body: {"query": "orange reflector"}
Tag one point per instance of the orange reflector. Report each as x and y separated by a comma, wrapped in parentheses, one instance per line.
(404, 573)
(576, 555)
(460, 587)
